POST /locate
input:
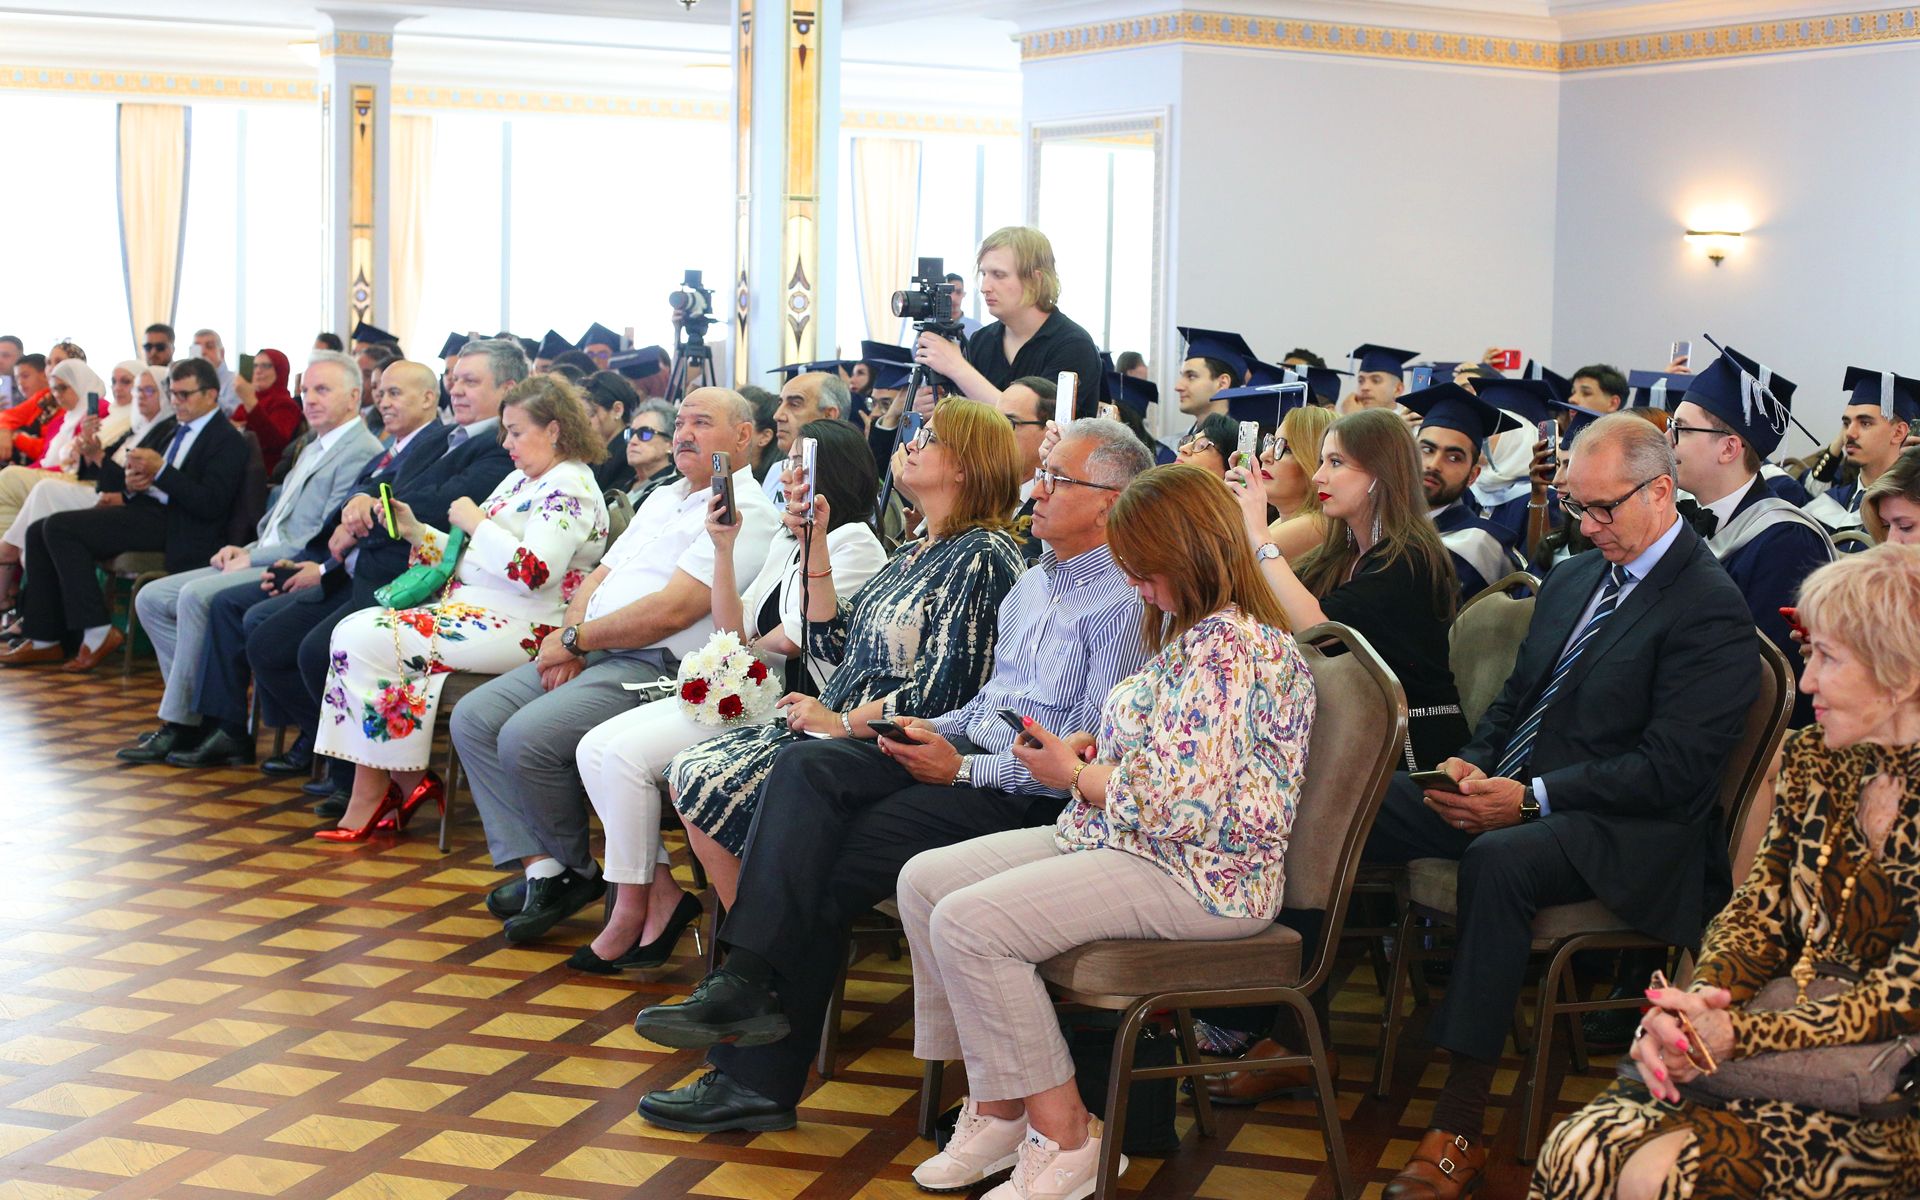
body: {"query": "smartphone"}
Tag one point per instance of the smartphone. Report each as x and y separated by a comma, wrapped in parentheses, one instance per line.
(1018, 724)
(809, 456)
(1793, 618)
(1505, 360)
(1248, 449)
(245, 366)
(92, 408)
(1422, 378)
(1681, 356)
(1068, 388)
(1437, 781)
(1110, 411)
(1550, 432)
(723, 487)
(280, 576)
(890, 730)
(386, 510)
(910, 423)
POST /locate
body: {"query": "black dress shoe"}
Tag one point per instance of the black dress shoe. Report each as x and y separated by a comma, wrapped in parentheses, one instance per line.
(220, 749)
(323, 786)
(724, 1008)
(509, 898)
(642, 956)
(153, 747)
(552, 900)
(713, 1103)
(333, 806)
(297, 760)
(1611, 1030)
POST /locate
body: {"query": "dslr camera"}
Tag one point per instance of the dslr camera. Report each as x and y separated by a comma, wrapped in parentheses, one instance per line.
(693, 304)
(927, 301)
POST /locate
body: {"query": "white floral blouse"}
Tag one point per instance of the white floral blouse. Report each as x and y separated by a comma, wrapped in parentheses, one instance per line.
(539, 541)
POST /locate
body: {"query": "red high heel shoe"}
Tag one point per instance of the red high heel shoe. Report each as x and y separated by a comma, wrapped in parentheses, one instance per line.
(389, 804)
(430, 787)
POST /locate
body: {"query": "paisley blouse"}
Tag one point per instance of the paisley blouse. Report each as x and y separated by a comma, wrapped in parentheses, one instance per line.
(1209, 742)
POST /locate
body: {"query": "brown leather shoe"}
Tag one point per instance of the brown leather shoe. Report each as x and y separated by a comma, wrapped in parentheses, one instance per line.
(1242, 1088)
(87, 660)
(1444, 1166)
(27, 655)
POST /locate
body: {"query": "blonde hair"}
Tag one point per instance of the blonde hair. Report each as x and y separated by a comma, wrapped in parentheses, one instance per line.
(551, 400)
(1866, 602)
(980, 441)
(1304, 429)
(1032, 258)
(1180, 524)
(1902, 479)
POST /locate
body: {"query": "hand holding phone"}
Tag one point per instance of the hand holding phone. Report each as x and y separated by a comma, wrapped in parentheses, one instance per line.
(1550, 434)
(386, 510)
(1435, 781)
(1018, 724)
(723, 487)
(893, 731)
(281, 572)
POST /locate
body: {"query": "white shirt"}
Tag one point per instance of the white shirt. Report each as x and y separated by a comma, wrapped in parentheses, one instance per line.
(229, 398)
(1723, 508)
(173, 456)
(668, 534)
(272, 529)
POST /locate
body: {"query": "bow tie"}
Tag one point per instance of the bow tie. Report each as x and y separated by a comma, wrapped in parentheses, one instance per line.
(1703, 520)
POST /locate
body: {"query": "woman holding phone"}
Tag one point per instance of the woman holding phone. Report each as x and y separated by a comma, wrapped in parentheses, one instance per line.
(623, 761)
(530, 544)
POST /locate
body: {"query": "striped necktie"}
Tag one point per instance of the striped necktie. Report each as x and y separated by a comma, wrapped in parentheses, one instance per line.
(1520, 746)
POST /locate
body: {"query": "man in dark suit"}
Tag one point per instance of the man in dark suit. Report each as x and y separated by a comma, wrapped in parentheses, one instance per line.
(1595, 774)
(178, 490)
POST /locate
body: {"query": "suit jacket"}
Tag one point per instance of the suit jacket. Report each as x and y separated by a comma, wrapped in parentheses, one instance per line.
(422, 452)
(1633, 745)
(472, 469)
(1769, 570)
(321, 493)
(201, 488)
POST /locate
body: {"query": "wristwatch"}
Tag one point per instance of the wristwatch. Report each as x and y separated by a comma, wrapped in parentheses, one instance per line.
(1529, 806)
(570, 641)
(964, 776)
(1267, 552)
(1073, 786)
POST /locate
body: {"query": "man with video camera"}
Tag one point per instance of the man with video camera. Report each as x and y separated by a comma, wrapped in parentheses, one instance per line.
(1028, 336)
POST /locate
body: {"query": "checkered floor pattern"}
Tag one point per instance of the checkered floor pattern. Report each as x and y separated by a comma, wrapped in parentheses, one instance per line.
(199, 1000)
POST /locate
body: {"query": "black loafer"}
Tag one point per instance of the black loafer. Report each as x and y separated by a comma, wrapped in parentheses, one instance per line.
(713, 1103)
(551, 901)
(323, 786)
(724, 1008)
(152, 747)
(220, 749)
(509, 898)
(298, 760)
(333, 806)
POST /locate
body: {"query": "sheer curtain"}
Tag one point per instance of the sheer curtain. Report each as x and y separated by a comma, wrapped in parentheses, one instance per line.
(886, 203)
(409, 179)
(153, 207)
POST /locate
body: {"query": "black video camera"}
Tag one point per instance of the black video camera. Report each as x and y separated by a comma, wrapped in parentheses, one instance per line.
(693, 304)
(928, 301)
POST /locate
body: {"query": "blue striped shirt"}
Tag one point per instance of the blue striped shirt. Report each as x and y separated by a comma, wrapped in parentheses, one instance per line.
(1069, 631)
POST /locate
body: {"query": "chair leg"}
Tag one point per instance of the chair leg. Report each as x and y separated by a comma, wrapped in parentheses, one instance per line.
(1390, 1009)
(1522, 1038)
(830, 1034)
(1190, 1050)
(452, 786)
(133, 630)
(1576, 1036)
(1540, 1059)
(1119, 1087)
(1326, 1100)
(933, 1078)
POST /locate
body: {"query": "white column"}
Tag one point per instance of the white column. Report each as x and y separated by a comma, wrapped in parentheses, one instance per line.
(356, 96)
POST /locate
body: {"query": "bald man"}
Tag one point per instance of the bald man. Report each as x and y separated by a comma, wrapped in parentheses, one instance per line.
(809, 397)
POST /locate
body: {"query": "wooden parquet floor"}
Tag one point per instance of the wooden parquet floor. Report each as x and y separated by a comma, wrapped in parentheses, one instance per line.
(197, 1000)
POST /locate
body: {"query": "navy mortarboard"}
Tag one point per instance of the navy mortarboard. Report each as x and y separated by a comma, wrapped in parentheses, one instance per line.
(1450, 406)
(1559, 385)
(1386, 360)
(1579, 418)
(1528, 399)
(1135, 394)
(1221, 346)
(873, 353)
(1263, 374)
(1651, 389)
(598, 335)
(373, 335)
(1896, 396)
(788, 372)
(890, 376)
(642, 363)
(552, 346)
(1747, 395)
(455, 343)
(1323, 382)
(1266, 403)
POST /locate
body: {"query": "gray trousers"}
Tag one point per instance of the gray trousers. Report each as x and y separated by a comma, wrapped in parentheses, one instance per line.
(517, 740)
(173, 611)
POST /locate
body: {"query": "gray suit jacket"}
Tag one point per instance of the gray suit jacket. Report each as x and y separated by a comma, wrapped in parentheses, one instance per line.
(321, 492)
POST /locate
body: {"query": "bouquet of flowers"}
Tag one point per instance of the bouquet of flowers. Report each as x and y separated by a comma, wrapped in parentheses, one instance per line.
(722, 683)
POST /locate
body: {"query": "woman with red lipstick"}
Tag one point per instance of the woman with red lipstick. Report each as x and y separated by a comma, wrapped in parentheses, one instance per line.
(1380, 568)
(1287, 465)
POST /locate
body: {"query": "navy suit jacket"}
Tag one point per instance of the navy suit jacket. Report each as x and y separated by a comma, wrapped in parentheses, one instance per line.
(201, 488)
(1633, 745)
(472, 469)
(422, 452)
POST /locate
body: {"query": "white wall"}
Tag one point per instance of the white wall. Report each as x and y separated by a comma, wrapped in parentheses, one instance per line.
(1819, 149)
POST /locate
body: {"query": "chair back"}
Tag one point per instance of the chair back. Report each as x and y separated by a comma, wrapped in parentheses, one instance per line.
(619, 516)
(1359, 727)
(1748, 766)
(1485, 640)
(1852, 541)
(250, 504)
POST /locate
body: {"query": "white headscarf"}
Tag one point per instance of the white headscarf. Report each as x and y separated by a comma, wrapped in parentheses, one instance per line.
(82, 379)
(140, 424)
(120, 416)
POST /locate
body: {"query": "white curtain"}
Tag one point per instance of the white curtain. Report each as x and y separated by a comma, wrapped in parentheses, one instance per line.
(886, 210)
(409, 179)
(153, 208)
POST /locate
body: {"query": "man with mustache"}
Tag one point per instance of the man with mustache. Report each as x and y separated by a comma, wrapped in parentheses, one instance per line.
(1454, 429)
(1881, 410)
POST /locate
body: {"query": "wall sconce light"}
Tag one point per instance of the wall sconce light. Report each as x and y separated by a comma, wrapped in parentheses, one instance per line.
(1715, 243)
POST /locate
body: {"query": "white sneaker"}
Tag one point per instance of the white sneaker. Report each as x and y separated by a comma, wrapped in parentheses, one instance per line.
(1046, 1172)
(980, 1147)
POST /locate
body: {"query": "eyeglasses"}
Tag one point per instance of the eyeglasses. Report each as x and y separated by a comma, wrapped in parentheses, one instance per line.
(1017, 423)
(1675, 429)
(923, 439)
(1049, 480)
(1273, 446)
(1696, 1051)
(1602, 513)
(645, 433)
(1196, 445)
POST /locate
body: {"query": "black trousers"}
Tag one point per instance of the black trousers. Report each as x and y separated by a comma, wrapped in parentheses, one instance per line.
(62, 592)
(837, 821)
(286, 648)
(1506, 876)
(223, 664)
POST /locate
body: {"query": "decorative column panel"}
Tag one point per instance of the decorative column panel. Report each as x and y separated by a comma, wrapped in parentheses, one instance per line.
(742, 182)
(787, 55)
(356, 95)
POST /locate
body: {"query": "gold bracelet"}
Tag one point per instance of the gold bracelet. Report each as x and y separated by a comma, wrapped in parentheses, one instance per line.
(1073, 785)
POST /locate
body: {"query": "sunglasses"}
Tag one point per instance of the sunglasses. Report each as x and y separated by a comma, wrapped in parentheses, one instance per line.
(645, 433)
(150, 347)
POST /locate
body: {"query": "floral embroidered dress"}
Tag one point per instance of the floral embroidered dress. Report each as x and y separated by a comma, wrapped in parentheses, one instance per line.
(1209, 742)
(520, 567)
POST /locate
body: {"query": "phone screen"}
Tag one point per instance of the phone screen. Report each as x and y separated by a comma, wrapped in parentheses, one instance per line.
(1068, 386)
(1682, 355)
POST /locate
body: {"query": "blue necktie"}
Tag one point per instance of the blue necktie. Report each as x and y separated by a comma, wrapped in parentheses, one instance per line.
(1520, 746)
(179, 435)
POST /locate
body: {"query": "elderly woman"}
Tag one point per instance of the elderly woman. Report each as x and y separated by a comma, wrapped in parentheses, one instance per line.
(1176, 828)
(530, 544)
(1829, 904)
(1890, 510)
(71, 381)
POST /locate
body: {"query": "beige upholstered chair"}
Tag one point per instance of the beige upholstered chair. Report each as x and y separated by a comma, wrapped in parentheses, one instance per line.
(1485, 640)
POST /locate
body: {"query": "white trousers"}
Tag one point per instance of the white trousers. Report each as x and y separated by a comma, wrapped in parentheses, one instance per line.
(623, 764)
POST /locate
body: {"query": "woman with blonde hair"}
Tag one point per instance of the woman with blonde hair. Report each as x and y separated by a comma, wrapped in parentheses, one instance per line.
(1287, 465)
(1176, 828)
(1890, 508)
(1818, 949)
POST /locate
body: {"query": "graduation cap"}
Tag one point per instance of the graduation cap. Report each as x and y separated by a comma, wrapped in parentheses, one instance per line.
(373, 335)
(1265, 403)
(1559, 385)
(1529, 399)
(455, 343)
(1323, 382)
(598, 335)
(1652, 389)
(1450, 406)
(1229, 348)
(528, 346)
(890, 376)
(1386, 359)
(788, 372)
(884, 352)
(1265, 374)
(1135, 394)
(643, 363)
(1745, 394)
(552, 346)
(1897, 397)
(1582, 417)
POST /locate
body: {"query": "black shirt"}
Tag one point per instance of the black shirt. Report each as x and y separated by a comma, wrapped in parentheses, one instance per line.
(1058, 345)
(614, 473)
(1392, 605)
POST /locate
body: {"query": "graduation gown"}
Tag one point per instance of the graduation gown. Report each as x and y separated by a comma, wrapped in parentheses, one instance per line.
(1479, 547)
(1769, 567)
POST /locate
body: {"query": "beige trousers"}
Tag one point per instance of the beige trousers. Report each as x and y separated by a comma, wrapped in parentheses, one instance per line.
(979, 915)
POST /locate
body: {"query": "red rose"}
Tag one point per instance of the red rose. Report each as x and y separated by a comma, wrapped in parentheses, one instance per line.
(694, 691)
(730, 707)
(757, 672)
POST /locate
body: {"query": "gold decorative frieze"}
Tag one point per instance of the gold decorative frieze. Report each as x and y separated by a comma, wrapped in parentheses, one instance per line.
(344, 43)
(157, 83)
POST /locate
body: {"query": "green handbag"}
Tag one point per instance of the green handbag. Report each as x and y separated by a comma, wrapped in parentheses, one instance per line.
(419, 585)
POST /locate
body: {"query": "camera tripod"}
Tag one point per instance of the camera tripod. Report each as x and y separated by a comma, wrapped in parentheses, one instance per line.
(690, 349)
(921, 377)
